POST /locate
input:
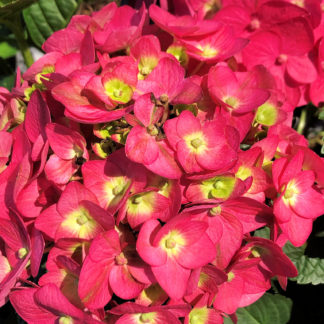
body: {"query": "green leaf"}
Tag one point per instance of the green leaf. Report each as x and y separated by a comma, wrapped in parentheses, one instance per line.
(45, 17)
(12, 7)
(8, 81)
(270, 309)
(294, 253)
(310, 270)
(321, 114)
(263, 232)
(8, 44)
(7, 49)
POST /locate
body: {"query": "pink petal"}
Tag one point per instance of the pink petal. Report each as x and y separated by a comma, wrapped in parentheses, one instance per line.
(37, 116)
(151, 254)
(301, 69)
(51, 298)
(123, 284)
(297, 229)
(49, 221)
(58, 170)
(24, 304)
(197, 254)
(172, 277)
(309, 204)
(140, 146)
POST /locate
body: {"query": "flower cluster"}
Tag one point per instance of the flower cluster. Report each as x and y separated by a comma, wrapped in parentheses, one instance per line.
(140, 157)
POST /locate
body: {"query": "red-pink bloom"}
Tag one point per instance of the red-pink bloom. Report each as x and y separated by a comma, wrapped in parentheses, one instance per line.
(78, 106)
(143, 144)
(281, 51)
(168, 83)
(14, 254)
(141, 206)
(70, 152)
(64, 272)
(201, 313)
(5, 148)
(76, 215)
(173, 250)
(239, 92)
(136, 314)
(182, 26)
(114, 179)
(215, 47)
(147, 52)
(250, 165)
(112, 266)
(203, 284)
(228, 221)
(36, 120)
(250, 272)
(47, 304)
(199, 145)
(219, 187)
(37, 195)
(118, 33)
(298, 203)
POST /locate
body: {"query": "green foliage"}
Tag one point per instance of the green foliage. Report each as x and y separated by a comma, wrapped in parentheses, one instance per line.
(46, 16)
(269, 309)
(7, 81)
(310, 270)
(12, 7)
(321, 114)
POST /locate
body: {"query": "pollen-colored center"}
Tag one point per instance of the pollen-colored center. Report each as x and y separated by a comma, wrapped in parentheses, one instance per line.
(290, 191)
(198, 316)
(118, 189)
(121, 259)
(231, 101)
(137, 200)
(145, 70)
(299, 3)
(118, 90)
(118, 93)
(208, 51)
(215, 210)
(147, 317)
(254, 24)
(22, 252)
(230, 276)
(281, 59)
(82, 219)
(170, 243)
(65, 320)
(196, 142)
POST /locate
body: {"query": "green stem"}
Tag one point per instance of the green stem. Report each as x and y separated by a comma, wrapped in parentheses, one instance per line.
(15, 26)
(302, 121)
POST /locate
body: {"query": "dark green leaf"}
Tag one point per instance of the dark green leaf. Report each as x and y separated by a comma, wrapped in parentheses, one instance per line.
(263, 232)
(8, 81)
(294, 253)
(321, 114)
(270, 309)
(12, 7)
(7, 49)
(310, 270)
(45, 17)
